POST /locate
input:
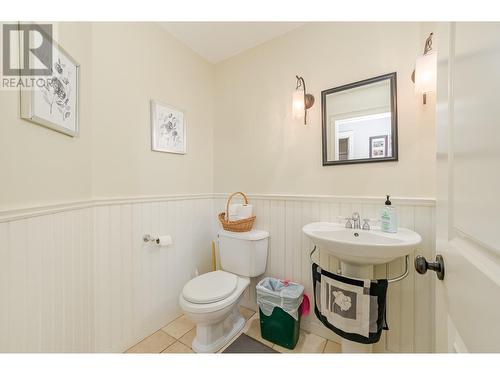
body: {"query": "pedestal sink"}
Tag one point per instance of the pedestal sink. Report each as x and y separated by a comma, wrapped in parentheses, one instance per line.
(359, 250)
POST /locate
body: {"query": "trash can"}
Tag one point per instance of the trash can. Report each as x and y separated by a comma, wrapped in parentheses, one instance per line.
(279, 302)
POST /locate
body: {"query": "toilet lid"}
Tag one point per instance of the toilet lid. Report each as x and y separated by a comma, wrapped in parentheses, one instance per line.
(210, 287)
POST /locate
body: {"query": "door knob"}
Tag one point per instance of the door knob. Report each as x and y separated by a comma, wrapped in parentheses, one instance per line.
(421, 265)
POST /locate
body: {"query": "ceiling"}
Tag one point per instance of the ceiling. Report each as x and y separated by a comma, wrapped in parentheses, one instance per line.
(217, 41)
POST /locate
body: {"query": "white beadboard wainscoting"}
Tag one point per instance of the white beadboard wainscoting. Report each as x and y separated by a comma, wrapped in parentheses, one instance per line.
(137, 285)
(410, 312)
(47, 283)
(78, 277)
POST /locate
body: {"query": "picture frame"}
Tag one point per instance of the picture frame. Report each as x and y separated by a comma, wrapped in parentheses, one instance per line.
(56, 104)
(378, 146)
(168, 128)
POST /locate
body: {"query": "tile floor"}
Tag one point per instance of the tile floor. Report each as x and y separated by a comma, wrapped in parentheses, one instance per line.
(177, 337)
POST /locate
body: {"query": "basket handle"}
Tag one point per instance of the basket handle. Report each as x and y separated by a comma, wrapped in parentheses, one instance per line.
(229, 201)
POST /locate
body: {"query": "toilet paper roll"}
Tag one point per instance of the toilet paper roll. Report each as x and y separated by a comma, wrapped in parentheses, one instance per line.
(245, 211)
(164, 240)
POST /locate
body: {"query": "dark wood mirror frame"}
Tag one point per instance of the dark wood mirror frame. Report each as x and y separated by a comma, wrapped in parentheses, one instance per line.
(392, 77)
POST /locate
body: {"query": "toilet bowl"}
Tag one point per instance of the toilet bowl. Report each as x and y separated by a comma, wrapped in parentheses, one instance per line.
(217, 318)
(211, 300)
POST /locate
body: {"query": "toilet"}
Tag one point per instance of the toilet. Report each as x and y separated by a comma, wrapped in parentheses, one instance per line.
(211, 300)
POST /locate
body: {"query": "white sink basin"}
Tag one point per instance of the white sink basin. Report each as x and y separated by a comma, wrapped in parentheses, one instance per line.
(362, 247)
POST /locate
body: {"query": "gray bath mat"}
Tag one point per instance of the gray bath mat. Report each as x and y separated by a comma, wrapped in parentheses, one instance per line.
(246, 344)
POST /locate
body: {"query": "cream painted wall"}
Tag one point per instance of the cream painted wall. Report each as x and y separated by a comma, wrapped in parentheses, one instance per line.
(252, 125)
(123, 66)
(40, 166)
(260, 148)
(133, 63)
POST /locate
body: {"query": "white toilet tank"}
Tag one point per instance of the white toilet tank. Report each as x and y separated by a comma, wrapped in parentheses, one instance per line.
(244, 253)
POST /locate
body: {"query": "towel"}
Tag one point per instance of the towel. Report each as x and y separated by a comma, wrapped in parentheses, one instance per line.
(352, 308)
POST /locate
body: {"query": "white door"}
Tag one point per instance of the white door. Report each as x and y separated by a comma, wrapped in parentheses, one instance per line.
(468, 201)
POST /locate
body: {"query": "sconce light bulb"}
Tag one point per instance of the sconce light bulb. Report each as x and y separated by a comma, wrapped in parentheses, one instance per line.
(298, 103)
(426, 73)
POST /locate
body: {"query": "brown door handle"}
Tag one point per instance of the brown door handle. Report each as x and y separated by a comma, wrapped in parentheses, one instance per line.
(421, 265)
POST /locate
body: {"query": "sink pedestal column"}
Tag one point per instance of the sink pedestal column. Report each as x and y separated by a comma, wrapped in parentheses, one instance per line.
(360, 272)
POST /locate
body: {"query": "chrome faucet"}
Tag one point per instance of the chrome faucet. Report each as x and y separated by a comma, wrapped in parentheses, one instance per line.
(366, 224)
(356, 221)
(348, 223)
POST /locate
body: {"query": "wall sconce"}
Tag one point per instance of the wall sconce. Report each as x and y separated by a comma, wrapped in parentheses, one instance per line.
(302, 101)
(424, 75)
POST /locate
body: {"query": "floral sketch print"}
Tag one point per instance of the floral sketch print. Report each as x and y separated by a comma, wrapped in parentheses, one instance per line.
(168, 129)
(343, 301)
(57, 91)
(169, 136)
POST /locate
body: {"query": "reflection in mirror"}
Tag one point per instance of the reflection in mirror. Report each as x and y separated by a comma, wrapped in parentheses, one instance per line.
(360, 121)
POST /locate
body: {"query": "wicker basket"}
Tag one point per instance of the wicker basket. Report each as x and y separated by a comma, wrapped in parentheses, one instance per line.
(243, 225)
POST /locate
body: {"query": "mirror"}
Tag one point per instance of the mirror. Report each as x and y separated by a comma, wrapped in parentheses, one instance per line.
(360, 122)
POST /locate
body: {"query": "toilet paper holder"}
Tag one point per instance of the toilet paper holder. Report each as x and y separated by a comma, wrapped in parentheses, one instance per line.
(149, 238)
(162, 241)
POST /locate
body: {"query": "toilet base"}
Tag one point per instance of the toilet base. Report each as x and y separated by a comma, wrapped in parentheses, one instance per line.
(212, 337)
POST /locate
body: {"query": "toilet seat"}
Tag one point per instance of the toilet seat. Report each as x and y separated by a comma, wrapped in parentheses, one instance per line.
(210, 287)
(200, 308)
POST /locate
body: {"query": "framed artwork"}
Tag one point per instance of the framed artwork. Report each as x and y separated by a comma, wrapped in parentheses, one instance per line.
(55, 104)
(378, 146)
(168, 128)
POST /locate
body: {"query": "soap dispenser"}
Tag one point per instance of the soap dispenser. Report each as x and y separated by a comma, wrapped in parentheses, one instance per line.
(388, 217)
